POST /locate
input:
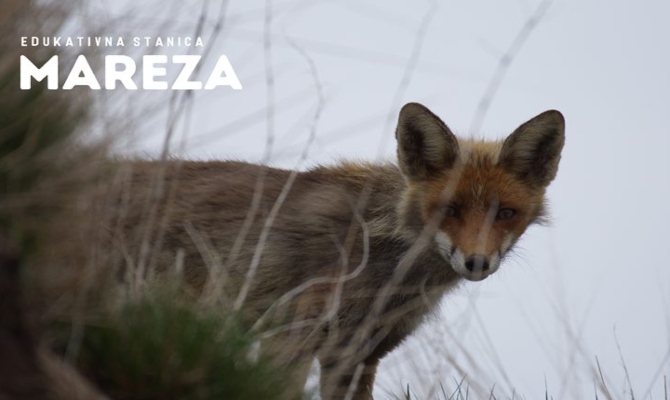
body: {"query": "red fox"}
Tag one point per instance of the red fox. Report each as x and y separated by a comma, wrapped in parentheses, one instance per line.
(343, 263)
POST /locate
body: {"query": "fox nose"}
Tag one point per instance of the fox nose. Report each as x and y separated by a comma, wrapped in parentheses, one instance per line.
(477, 264)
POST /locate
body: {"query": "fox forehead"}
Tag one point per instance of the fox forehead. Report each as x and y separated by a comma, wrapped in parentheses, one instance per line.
(477, 182)
(479, 150)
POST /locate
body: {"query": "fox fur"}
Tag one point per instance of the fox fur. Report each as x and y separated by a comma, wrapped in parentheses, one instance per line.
(340, 263)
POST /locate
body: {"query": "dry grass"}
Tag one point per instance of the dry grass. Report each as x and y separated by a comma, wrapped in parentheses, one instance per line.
(70, 328)
(75, 320)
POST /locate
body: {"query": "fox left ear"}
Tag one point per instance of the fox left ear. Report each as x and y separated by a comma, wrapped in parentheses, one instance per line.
(533, 150)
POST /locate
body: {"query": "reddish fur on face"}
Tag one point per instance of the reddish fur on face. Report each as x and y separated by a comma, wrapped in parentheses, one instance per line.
(477, 188)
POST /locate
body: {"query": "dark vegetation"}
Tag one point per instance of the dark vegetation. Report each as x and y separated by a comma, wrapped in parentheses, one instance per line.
(69, 330)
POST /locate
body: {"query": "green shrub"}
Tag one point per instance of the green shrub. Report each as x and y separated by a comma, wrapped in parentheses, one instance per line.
(158, 348)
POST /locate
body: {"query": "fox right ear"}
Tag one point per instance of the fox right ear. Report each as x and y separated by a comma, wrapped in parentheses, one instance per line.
(425, 144)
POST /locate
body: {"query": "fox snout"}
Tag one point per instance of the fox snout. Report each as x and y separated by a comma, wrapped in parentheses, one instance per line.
(473, 267)
(476, 267)
(477, 264)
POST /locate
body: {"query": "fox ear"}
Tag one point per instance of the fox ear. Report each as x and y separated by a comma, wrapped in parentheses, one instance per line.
(533, 150)
(425, 144)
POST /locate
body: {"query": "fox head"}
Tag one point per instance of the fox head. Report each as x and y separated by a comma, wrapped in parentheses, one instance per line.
(475, 198)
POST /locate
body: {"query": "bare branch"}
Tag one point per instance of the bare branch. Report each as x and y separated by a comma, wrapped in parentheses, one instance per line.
(504, 63)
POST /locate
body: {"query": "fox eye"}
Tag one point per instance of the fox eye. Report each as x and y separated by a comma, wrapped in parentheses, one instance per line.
(505, 214)
(450, 212)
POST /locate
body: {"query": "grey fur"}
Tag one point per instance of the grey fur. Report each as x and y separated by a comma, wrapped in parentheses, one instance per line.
(347, 268)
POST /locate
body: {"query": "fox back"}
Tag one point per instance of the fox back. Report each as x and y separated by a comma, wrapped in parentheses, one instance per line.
(343, 262)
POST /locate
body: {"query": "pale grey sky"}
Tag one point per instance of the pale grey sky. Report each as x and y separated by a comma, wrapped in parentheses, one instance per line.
(598, 275)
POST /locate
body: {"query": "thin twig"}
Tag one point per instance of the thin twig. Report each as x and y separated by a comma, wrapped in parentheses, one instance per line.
(269, 142)
(407, 75)
(351, 391)
(623, 364)
(603, 385)
(269, 221)
(504, 63)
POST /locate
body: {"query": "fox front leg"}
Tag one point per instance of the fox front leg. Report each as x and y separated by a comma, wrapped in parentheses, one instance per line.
(349, 371)
(343, 379)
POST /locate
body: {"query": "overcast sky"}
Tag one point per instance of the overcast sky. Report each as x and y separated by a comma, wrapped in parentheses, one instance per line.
(597, 276)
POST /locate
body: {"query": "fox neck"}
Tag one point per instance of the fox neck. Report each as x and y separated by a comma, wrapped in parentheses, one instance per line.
(393, 216)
